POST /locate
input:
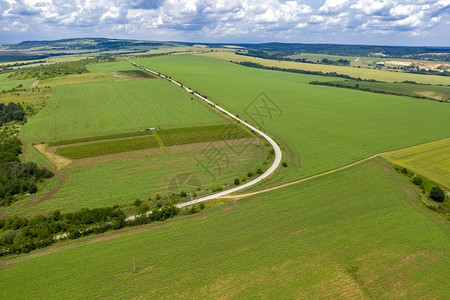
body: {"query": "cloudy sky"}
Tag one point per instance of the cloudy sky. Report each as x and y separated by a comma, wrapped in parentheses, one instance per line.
(386, 22)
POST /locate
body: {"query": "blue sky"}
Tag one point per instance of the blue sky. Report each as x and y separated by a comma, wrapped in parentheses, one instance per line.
(385, 22)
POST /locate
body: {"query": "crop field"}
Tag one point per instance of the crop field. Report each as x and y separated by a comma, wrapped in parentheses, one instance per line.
(431, 160)
(107, 147)
(100, 138)
(407, 89)
(188, 135)
(323, 127)
(109, 107)
(368, 239)
(123, 180)
(354, 72)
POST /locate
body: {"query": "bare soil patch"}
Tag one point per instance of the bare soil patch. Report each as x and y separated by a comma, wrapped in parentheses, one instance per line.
(58, 160)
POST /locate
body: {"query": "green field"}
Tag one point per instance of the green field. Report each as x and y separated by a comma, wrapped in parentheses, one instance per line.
(100, 137)
(324, 238)
(431, 160)
(108, 147)
(351, 71)
(400, 88)
(10, 84)
(122, 181)
(121, 65)
(188, 135)
(115, 106)
(323, 127)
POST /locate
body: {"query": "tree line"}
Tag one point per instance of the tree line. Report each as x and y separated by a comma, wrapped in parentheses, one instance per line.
(11, 112)
(320, 73)
(22, 235)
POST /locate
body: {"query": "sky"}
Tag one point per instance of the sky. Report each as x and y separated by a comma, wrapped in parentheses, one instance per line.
(381, 22)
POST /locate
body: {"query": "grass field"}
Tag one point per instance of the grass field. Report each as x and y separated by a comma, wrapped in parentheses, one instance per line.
(10, 84)
(354, 72)
(368, 239)
(121, 65)
(108, 147)
(324, 127)
(109, 107)
(122, 181)
(431, 160)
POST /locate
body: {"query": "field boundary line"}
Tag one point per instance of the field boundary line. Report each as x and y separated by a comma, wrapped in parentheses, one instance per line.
(161, 144)
(275, 146)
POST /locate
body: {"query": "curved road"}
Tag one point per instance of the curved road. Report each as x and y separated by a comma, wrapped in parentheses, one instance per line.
(275, 146)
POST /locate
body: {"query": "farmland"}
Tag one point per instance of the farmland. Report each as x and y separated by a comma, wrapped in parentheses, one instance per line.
(114, 106)
(320, 128)
(98, 120)
(306, 244)
(440, 93)
(108, 147)
(363, 73)
(431, 160)
(117, 136)
(124, 178)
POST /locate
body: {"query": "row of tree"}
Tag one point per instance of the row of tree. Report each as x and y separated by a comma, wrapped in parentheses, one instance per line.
(16, 177)
(22, 235)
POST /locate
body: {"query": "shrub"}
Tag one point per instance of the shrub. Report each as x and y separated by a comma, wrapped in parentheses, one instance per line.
(284, 164)
(237, 181)
(259, 171)
(437, 194)
(417, 180)
(249, 174)
(143, 208)
(183, 194)
(137, 202)
(158, 197)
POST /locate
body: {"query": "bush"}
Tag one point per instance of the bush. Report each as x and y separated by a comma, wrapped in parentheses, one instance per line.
(249, 174)
(259, 171)
(137, 202)
(143, 208)
(417, 180)
(437, 194)
(284, 164)
(237, 181)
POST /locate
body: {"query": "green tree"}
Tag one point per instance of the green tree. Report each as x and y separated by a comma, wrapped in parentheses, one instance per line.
(437, 194)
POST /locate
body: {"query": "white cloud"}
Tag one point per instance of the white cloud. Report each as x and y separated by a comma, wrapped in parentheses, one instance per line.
(206, 19)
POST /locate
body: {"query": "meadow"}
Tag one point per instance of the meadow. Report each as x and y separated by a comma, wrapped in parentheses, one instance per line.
(363, 73)
(367, 239)
(320, 128)
(431, 160)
